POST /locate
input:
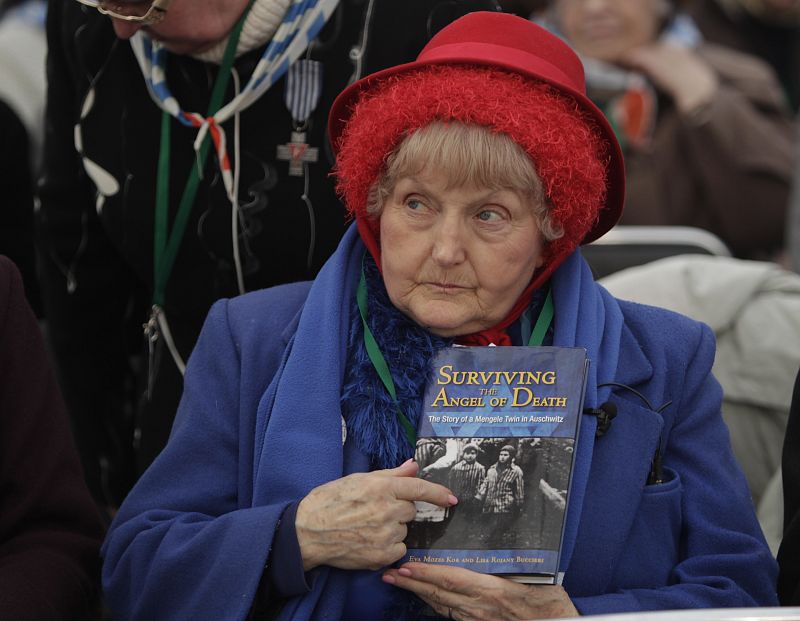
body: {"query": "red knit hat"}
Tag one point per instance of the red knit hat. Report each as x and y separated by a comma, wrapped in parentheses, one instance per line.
(501, 41)
(513, 77)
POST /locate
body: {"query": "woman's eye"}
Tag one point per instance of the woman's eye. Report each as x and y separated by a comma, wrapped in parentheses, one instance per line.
(413, 203)
(488, 215)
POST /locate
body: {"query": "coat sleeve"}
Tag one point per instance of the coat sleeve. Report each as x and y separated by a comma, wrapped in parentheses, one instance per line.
(186, 543)
(703, 517)
(50, 530)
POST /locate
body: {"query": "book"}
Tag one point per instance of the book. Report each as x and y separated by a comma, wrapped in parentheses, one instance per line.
(499, 427)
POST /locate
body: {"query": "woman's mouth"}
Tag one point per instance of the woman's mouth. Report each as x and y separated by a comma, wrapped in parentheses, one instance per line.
(445, 287)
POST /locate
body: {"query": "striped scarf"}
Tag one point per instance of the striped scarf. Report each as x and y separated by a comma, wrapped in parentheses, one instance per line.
(301, 25)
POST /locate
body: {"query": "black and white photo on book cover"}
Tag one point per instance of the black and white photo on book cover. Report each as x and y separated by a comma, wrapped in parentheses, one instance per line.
(498, 429)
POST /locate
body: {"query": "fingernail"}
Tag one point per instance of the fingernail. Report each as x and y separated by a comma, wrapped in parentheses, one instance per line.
(452, 500)
(407, 461)
(403, 571)
(389, 579)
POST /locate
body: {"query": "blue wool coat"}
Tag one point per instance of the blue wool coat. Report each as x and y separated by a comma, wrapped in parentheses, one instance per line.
(260, 425)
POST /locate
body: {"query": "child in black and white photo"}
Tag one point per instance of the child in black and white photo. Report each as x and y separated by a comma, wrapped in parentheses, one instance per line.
(465, 479)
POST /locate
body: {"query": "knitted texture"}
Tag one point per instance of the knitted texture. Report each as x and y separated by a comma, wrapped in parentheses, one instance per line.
(260, 24)
(368, 409)
(565, 146)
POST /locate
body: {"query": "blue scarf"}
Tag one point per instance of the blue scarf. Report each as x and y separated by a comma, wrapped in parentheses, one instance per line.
(367, 406)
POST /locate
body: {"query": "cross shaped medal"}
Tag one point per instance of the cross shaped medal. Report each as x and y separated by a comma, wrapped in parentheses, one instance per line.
(297, 152)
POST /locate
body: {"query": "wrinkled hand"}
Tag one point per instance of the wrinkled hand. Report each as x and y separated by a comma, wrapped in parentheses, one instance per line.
(359, 521)
(678, 71)
(466, 595)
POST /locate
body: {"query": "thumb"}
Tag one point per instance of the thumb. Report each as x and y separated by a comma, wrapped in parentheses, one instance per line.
(409, 468)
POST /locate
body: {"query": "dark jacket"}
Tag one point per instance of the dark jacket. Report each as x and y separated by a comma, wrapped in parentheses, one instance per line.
(50, 530)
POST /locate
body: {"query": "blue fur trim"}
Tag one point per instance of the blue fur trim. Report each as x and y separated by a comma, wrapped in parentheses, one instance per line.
(368, 408)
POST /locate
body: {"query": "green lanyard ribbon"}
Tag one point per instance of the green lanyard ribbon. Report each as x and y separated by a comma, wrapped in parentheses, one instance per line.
(379, 362)
(166, 246)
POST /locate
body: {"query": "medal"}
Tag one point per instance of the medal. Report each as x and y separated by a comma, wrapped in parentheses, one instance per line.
(297, 153)
(303, 90)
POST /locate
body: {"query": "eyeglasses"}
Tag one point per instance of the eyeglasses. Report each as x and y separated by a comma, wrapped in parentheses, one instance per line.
(134, 11)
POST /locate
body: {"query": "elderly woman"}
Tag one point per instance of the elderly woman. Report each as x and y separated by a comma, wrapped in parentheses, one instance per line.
(473, 175)
(706, 130)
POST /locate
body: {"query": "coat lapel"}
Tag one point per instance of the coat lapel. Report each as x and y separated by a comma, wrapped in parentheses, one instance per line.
(621, 461)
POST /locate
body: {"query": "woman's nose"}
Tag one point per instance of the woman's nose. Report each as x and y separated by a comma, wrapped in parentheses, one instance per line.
(448, 248)
(123, 29)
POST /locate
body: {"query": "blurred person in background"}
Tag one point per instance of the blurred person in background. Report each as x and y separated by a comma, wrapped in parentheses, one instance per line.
(50, 530)
(705, 129)
(769, 29)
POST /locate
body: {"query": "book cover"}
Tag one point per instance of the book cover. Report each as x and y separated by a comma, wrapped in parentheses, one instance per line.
(498, 427)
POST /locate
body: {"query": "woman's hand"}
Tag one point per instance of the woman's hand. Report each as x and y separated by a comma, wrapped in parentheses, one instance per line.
(456, 593)
(678, 71)
(359, 521)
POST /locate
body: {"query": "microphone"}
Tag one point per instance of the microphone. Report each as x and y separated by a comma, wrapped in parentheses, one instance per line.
(606, 413)
(656, 475)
